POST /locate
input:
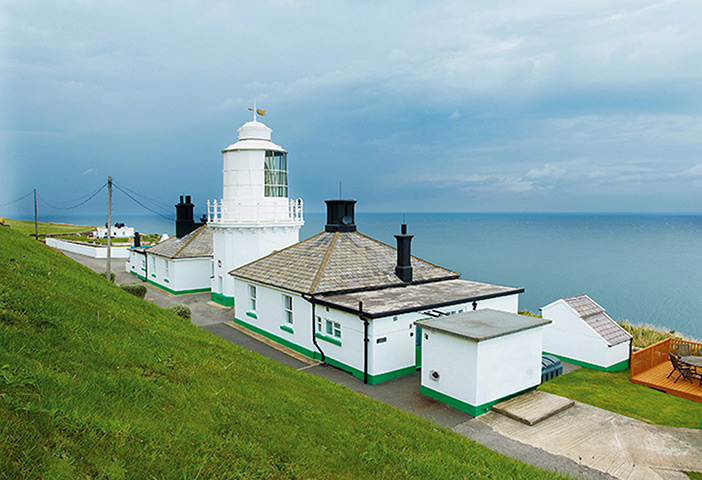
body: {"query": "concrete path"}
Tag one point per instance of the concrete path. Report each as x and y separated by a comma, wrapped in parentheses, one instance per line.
(605, 441)
(489, 430)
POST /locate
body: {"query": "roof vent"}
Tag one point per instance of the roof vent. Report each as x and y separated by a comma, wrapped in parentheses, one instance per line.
(340, 216)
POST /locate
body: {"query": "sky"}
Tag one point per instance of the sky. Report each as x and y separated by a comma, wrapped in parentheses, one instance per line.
(511, 106)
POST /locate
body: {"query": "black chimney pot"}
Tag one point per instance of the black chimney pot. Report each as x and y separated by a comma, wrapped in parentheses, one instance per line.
(340, 216)
(137, 239)
(184, 217)
(404, 257)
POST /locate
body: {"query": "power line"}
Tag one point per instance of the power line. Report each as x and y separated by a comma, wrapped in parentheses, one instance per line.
(152, 200)
(90, 197)
(138, 202)
(15, 201)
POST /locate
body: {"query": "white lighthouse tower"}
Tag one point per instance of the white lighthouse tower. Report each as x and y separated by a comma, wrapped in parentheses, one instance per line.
(255, 216)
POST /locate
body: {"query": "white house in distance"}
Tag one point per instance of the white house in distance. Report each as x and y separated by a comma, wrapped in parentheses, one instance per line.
(351, 301)
(255, 215)
(119, 230)
(475, 359)
(583, 334)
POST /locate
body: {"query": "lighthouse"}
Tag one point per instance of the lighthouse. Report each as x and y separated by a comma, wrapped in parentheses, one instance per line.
(255, 215)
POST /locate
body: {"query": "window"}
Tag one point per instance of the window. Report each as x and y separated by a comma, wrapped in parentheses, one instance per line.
(287, 307)
(276, 174)
(166, 261)
(333, 329)
(252, 298)
(319, 323)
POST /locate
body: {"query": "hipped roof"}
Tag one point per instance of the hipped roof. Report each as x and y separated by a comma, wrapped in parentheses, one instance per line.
(197, 243)
(336, 262)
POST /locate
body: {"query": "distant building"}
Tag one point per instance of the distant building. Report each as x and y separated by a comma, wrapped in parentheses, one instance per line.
(119, 230)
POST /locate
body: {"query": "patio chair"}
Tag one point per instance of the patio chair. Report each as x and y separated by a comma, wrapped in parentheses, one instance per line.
(676, 367)
(683, 349)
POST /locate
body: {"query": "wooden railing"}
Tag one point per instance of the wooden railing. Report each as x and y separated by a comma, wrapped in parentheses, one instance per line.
(694, 346)
(657, 353)
(649, 357)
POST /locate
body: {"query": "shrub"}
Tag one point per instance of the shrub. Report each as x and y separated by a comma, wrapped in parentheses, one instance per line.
(112, 276)
(137, 289)
(180, 310)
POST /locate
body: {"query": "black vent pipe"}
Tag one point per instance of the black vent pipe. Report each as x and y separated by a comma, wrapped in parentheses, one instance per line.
(404, 256)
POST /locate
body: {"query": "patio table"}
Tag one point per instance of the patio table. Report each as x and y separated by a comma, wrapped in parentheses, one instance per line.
(692, 360)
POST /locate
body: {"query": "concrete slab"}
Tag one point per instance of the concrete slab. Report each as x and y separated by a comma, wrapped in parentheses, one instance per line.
(620, 446)
(533, 407)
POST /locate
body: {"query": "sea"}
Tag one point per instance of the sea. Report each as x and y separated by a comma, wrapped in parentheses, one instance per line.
(639, 268)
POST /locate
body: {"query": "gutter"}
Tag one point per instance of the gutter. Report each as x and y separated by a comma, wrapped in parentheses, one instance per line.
(314, 326)
(365, 343)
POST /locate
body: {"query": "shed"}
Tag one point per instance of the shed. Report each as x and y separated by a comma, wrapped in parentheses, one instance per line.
(582, 333)
(473, 360)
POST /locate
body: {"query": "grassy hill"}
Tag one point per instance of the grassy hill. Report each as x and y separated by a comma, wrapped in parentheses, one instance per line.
(97, 383)
(26, 227)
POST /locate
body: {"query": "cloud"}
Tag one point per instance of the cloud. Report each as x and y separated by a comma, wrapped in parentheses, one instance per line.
(455, 115)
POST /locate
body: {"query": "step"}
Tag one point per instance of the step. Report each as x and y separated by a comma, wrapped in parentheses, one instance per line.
(533, 407)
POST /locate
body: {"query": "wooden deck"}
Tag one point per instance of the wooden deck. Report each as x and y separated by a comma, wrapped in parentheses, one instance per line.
(650, 367)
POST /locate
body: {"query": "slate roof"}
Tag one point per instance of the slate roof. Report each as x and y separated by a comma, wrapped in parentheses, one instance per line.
(425, 296)
(197, 243)
(595, 316)
(336, 262)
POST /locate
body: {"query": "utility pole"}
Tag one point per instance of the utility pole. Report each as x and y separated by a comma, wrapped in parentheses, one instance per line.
(109, 226)
(36, 221)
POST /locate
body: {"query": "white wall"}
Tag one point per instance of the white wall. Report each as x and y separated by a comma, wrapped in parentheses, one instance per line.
(569, 336)
(480, 372)
(88, 250)
(235, 246)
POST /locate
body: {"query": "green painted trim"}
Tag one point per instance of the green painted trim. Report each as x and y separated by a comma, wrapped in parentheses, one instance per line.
(287, 328)
(176, 292)
(333, 340)
(223, 300)
(384, 377)
(153, 275)
(138, 276)
(372, 379)
(252, 315)
(166, 280)
(474, 410)
(143, 269)
(617, 367)
(275, 338)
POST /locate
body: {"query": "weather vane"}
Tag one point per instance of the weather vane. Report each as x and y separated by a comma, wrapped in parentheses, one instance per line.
(257, 111)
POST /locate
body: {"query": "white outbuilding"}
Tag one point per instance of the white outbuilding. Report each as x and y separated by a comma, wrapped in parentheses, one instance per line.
(583, 334)
(475, 359)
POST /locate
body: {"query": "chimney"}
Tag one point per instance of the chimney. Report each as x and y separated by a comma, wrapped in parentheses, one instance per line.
(137, 239)
(404, 264)
(340, 216)
(184, 217)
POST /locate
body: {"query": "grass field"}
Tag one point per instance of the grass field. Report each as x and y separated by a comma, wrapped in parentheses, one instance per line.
(25, 227)
(96, 383)
(614, 392)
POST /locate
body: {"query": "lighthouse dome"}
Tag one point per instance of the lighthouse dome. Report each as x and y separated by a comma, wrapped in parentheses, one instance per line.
(254, 135)
(254, 130)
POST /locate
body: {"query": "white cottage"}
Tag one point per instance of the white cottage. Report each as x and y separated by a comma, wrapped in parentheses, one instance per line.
(351, 301)
(583, 334)
(475, 359)
(177, 265)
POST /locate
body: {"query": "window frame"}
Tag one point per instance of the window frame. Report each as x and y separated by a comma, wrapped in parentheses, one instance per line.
(252, 298)
(288, 310)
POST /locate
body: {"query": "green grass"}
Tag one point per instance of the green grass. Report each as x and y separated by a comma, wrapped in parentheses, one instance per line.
(645, 335)
(96, 383)
(614, 392)
(694, 475)
(27, 227)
